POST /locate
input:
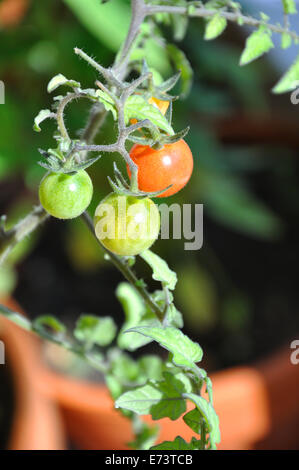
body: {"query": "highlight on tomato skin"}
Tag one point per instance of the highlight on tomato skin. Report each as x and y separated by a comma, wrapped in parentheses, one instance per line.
(126, 225)
(158, 169)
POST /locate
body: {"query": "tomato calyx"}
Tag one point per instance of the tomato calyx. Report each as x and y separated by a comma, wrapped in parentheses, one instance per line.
(158, 90)
(158, 139)
(121, 187)
(65, 159)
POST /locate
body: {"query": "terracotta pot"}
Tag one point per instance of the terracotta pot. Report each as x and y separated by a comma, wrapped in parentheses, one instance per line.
(36, 423)
(258, 406)
(90, 417)
(12, 12)
(250, 402)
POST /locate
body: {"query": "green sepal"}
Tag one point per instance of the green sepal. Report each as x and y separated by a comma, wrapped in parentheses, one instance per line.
(56, 162)
(121, 186)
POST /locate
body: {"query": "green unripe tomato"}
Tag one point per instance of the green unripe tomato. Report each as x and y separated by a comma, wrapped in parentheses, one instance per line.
(66, 196)
(126, 225)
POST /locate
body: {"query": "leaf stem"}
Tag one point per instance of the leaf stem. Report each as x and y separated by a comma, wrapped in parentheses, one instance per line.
(202, 12)
(60, 112)
(108, 74)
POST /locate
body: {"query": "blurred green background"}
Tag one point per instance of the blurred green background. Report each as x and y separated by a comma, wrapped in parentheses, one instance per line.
(239, 293)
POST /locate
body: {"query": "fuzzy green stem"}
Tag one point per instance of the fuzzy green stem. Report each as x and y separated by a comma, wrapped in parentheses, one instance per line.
(108, 74)
(60, 112)
(236, 17)
(138, 15)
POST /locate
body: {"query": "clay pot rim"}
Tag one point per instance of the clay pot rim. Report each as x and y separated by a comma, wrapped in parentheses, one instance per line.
(72, 392)
(21, 348)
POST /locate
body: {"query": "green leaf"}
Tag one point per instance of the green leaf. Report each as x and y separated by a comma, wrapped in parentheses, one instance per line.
(174, 317)
(150, 367)
(42, 115)
(179, 26)
(209, 414)
(257, 44)
(161, 271)
(137, 107)
(60, 80)
(215, 27)
(134, 310)
(290, 80)
(8, 280)
(193, 419)
(140, 400)
(123, 367)
(181, 376)
(185, 352)
(114, 386)
(289, 7)
(43, 323)
(286, 40)
(160, 399)
(178, 444)
(264, 17)
(91, 330)
(107, 101)
(181, 62)
(146, 436)
(15, 317)
(171, 405)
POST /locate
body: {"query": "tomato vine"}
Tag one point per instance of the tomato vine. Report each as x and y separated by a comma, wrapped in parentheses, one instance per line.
(142, 110)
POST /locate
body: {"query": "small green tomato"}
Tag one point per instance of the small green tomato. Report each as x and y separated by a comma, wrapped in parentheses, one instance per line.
(66, 196)
(127, 225)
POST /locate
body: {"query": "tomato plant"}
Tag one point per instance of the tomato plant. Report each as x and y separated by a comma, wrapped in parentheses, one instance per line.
(66, 196)
(126, 225)
(127, 221)
(171, 165)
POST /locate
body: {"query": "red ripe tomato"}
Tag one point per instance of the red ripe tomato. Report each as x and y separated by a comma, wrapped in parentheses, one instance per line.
(158, 169)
